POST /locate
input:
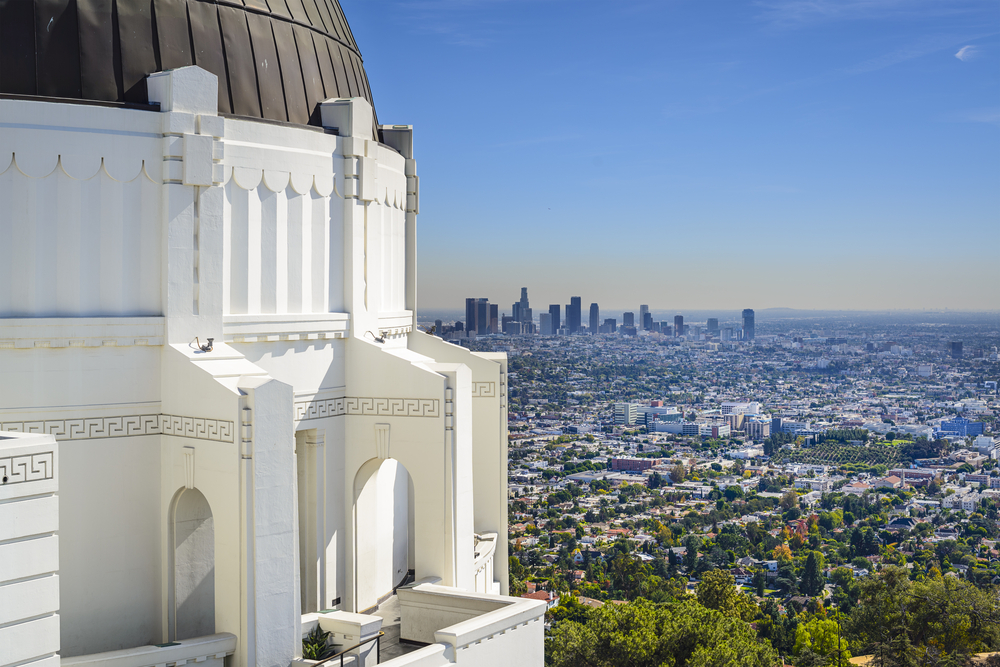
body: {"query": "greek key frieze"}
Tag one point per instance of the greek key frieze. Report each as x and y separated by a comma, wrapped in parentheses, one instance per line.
(91, 428)
(364, 406)
(26, 468)
(484, 389)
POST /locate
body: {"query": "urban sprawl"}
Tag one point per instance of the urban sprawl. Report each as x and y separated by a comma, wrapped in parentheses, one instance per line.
(791, 472)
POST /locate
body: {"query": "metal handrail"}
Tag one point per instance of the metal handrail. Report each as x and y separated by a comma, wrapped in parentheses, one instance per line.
(378, 650)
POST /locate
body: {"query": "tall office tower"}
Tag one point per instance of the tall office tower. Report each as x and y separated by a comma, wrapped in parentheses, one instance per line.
(678, 325)
(727, 334)
(647, 321)
(956, 349)
(628, 319)
(470, 315)
(643, 311)
(482, 317)
(748, 333)
(438, 327)
(595, 318)
(494, 318)
(574, 314)
(611, 324)
(544, 324)
(459, 326)
(521, 311)
(713, 325)
(554, 320)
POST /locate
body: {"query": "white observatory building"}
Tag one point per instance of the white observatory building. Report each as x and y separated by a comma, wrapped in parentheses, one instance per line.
(219, 425)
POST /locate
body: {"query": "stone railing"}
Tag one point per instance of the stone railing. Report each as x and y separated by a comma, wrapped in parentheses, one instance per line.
(470, 629)
(486, 547)
(207, 651)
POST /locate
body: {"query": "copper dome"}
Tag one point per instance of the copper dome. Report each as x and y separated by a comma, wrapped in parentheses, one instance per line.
(275, 59)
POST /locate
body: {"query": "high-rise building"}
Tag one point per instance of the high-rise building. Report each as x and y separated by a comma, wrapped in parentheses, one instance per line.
(678, 325)
(626, 413)
(521, 311)
(956, 349)
(482, 317)
(713, 325)
(647, 321)
(748, 327)
(554, 319)
(494, 327)
(628, 319)
(438, 327)
(610, 325)
(544, 324)
(471, 315)
(595, 318)
(573, 314)
(643, 311)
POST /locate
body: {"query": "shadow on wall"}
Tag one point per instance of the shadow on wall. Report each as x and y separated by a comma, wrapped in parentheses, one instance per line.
(193, 591)
(383, 513)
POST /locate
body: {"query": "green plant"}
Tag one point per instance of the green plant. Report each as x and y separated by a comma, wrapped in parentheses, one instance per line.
(314, 646)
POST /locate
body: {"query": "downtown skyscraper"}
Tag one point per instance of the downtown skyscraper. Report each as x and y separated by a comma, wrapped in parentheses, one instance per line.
(748, 324)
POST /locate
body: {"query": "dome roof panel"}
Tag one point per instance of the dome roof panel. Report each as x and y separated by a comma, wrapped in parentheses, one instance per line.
(275, 59)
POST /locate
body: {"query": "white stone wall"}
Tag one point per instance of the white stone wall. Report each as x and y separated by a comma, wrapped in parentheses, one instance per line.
(77, 192)
(29, 550)
(132, 232)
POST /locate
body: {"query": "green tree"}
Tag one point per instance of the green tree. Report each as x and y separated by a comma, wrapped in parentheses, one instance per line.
(879, 624)
(953, 619)
(627, 574)
(789, 500)
(812, 579)
(820, 637)
(717, 590)
(641, 634)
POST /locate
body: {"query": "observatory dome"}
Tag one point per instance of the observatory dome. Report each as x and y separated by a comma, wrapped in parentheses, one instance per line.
(275, 59)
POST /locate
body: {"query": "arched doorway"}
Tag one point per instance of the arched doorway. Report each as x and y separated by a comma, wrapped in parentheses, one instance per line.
(383, 530)
(192, 590)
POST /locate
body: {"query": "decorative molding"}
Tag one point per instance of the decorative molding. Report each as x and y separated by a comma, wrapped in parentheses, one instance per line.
(382, 441)
(92, 428)
(26, 468)
(43, 332)
(271, 328)
(198, 428)
(189, 467)
(375, 407)
(484, 389)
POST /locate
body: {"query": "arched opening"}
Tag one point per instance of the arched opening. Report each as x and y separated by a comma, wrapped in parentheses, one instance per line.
(383, 530)
(192, 608)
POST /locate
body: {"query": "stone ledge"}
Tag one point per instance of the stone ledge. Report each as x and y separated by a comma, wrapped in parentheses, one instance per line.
(58, 332)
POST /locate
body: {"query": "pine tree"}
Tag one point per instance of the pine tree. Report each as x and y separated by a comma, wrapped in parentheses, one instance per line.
(812, 575)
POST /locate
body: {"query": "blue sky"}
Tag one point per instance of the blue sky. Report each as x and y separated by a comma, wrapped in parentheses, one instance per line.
(702, 154)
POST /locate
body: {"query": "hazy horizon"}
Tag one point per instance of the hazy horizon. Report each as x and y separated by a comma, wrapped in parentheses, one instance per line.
(785, 153)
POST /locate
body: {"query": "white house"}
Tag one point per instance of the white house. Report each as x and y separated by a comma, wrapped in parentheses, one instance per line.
(207, 307)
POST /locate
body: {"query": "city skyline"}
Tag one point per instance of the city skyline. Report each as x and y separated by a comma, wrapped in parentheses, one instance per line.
(814, 155)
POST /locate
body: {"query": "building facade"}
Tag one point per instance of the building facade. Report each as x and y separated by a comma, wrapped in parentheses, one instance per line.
(209, 305)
